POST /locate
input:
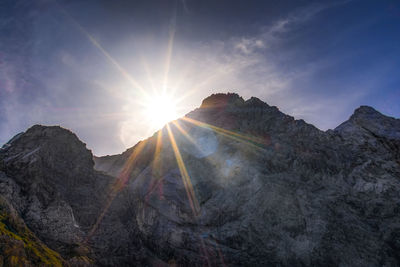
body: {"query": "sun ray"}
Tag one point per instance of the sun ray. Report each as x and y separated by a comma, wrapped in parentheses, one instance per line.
(95, 43)
(159, 110)
(156, 167)
(249, 140)
(204, 251)
(185, 175)
(124, 73)
(148, 75)
(182, 78)
(118, 185)
(208, 244)
(188, 137)
(172, 30)
(115, 93)
(199, 85)
(209, 79)
(168, 62)
(157, 152)
(184, 132)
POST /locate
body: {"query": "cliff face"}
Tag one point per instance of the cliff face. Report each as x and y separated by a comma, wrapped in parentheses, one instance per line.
(18, 245)
(232, 183)
(47, 176)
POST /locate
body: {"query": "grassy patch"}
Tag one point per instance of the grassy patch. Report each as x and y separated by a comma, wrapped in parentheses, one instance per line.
(19, 246)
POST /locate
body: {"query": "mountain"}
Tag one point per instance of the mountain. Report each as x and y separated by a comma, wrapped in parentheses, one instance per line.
(233, 183)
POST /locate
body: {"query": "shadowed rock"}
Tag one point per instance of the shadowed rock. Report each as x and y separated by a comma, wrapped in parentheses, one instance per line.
(245, 185)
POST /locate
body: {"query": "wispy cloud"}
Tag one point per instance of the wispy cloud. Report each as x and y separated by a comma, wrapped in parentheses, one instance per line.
(252, 67)
(51, 73)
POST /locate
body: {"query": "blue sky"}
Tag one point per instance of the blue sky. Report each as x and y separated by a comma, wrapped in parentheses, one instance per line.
(72, 63)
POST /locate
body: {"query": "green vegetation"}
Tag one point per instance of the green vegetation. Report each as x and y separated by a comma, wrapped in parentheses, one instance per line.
(19, 246)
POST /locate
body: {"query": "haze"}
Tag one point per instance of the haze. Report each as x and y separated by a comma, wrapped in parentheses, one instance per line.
(85, 64)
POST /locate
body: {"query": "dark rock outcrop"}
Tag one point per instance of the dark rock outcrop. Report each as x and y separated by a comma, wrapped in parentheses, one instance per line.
(18, 245)
(235, 183)
(47, 174)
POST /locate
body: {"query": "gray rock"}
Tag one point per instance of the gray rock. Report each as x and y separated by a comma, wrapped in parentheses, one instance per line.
(245, 185)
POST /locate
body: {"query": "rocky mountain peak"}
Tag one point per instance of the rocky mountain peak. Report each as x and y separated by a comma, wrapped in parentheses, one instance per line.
(366, 113)
(222, 100)
(255, 102)
(234, 182)
(363, 109)
(47, 143)
(47, 174)
(366, 121)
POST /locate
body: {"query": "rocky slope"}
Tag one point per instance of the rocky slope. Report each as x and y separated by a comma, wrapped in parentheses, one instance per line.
(18, 245)
(234, 183)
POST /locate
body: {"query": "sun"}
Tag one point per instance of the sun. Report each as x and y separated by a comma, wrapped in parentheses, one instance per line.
(160, 109)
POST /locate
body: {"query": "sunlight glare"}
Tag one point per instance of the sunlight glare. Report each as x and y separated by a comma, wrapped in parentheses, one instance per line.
(160, 109)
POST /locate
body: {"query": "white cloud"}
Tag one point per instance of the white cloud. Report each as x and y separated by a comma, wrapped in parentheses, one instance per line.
(249, 45)
(242, 64)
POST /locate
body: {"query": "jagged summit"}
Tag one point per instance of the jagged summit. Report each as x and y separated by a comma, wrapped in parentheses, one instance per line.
(366, 121)
(47, 174)
(234, 182)
(365, 110)
(38, 131)
(52, 143)
(367, 113)
(221, 100)
(255, 102)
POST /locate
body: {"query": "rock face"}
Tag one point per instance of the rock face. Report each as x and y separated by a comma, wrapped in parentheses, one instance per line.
(47, 175)
(18, 245)
(233, 183)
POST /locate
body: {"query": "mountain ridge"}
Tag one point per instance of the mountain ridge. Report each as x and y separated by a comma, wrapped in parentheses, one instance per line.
(234, 183)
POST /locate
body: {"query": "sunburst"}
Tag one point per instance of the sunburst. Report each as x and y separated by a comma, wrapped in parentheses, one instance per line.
(159, 109)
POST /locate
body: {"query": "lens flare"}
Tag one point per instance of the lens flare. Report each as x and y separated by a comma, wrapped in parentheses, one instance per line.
(160, 109)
